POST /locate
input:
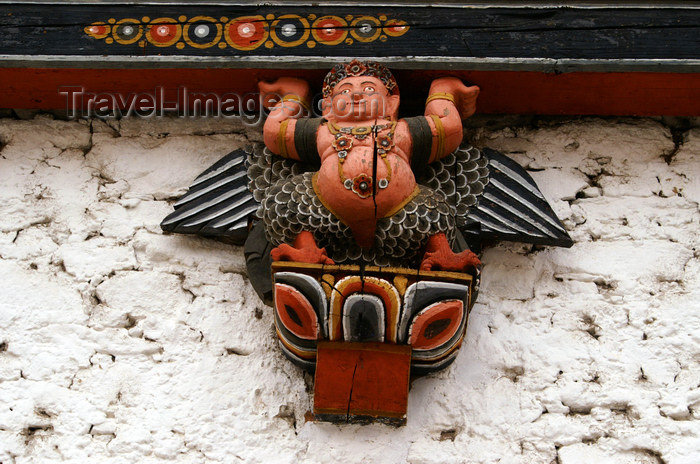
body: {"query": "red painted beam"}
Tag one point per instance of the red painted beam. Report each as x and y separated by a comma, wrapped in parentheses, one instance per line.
(633, 94)
(502, 92)
(360, 381)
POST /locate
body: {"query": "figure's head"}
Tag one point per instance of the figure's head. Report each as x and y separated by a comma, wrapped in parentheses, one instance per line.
(359, 91)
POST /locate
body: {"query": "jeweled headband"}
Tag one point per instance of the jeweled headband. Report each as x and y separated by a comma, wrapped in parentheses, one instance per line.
(359, 68)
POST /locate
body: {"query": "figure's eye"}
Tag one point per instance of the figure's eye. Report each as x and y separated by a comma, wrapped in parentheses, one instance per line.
(369, 88)
(345, 91)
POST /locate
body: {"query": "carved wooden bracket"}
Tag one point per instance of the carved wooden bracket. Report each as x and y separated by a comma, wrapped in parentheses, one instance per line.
(359, 233)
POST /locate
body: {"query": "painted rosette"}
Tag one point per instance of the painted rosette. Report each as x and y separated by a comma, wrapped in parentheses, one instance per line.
(246, 32)
(202, 32)
(163, 32)
(365, 28)
(127, 31)
(98, 30)
(359, 301)
(329, 30)
(290, 30)
(395, 27)
(434, 320)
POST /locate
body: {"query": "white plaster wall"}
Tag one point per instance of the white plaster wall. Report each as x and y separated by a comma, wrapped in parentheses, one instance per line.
(119, 344)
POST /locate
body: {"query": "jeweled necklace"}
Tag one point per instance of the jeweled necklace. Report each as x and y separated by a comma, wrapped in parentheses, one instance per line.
(362, 184)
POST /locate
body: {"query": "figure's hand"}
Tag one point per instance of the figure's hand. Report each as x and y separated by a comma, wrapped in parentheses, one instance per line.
(271, 93)
(465, 97)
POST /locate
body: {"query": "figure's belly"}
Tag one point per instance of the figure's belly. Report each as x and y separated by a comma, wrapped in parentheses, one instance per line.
(351, 192)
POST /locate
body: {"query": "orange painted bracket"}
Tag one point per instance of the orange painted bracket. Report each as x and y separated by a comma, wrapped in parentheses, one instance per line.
(362, 382)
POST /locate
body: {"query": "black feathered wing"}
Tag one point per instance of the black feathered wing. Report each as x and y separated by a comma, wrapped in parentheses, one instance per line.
(512, 207)
(494, 198)
(218, 203)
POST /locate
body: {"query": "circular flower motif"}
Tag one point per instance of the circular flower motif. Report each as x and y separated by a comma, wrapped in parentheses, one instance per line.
(342, 143)
(246, 32)
(356, 68)
(330, 30)
(290, 30)
(362, 185)
(384, 142)
(202, 32)
(98, 30)
(163, 32)
(127, 31)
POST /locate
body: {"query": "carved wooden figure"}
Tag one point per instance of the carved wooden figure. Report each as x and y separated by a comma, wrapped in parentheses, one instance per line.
(358, 225)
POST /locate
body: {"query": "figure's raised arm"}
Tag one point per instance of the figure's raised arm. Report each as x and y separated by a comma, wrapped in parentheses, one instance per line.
(288, 100)
(449, 102)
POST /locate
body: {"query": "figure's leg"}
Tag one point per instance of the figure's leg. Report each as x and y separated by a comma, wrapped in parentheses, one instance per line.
(421, 234)
(296, 222)
(402, 236)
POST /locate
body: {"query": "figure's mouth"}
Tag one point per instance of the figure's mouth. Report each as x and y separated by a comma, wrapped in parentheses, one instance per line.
(361, 107)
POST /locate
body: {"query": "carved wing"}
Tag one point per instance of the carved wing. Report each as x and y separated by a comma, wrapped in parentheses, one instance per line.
(218, 202)
(494, 198)
(513, 208)
(222, 200)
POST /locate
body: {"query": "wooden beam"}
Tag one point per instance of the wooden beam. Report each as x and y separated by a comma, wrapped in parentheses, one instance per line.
(502, 92)
(549, 37)
(585, 57)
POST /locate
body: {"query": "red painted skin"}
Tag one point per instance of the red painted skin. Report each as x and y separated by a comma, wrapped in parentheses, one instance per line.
(364, 101)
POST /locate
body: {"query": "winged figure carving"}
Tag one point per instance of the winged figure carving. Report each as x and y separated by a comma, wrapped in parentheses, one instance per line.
(359, 185)
(360, 229)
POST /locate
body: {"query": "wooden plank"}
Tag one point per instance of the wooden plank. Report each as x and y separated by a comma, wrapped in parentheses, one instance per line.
(362, 382)
(639, 94)
(487, 32)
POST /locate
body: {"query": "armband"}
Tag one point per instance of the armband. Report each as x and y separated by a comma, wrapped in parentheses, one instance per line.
(440, 96)
(282, 139)
(440, 151)
(297, 99)
(422, 140)
(305, 140)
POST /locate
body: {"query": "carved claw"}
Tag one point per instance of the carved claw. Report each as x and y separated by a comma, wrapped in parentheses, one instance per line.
(304, 250)
(440, 257)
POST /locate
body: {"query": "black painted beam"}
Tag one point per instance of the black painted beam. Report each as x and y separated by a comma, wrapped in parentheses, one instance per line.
(553, 37)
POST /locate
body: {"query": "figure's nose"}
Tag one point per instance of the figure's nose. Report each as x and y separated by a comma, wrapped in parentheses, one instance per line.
(357, 96)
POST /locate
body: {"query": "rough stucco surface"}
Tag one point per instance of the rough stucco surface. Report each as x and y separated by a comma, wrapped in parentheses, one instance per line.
(120, 344)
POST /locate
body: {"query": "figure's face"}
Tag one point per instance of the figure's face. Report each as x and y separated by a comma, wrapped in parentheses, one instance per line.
(359, 98)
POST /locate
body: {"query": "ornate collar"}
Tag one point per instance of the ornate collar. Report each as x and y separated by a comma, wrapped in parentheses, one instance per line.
(359, 132)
